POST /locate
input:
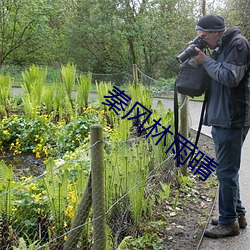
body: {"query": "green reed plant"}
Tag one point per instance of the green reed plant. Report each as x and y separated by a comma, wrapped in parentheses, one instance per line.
(183, 180)
(33, 85)
(136, 181)
(62, 105)
(83, 90)
(68, 74)
(141, 94)
(56, 184)
(122, 128)
(103, 89)
(5, 90)
(6, 184)
(48, 97)
(126, 171)
(167, 119)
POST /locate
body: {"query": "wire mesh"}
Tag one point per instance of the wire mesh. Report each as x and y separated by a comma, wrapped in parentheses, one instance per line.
(43, 211)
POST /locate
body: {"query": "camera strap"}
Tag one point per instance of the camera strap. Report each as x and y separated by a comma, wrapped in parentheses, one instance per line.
(176, 125)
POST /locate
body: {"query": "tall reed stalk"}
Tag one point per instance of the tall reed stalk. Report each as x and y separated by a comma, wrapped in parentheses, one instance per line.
(139, 93)
(33, 85)
(48, 97)
(5, 90)
(6, 184)
(167, 119)
(56, 184)
(83, 91)
(103, 89)
(126, 172)
(68, 74)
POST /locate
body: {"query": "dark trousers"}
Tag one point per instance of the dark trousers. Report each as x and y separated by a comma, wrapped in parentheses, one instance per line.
(228, 145)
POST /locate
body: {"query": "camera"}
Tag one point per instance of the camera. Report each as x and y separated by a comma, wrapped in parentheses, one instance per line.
(190, 51)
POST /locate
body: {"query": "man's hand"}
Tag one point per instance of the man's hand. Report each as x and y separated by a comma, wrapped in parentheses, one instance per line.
(200, 58)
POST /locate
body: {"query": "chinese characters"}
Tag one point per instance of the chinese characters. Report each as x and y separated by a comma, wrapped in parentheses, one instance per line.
(182, 148)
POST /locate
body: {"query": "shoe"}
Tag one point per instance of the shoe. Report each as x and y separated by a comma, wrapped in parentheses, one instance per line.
(241, 219)
(221, 230)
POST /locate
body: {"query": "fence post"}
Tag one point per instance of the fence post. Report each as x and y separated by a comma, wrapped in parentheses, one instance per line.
(184, 128)
(98, 195)
(135, 74)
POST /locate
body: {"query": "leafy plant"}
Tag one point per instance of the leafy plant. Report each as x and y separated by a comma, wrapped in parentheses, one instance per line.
(176, 199)
(165, 190)
(5, 90)
(30, 208)
(22, 245)
(147, 241)
(48, 98)
(83, 90)
(6, 184)
(68, 74)
(34, 81)
(139, 93)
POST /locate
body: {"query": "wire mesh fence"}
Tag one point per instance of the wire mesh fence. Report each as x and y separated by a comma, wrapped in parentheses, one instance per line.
(56, 209)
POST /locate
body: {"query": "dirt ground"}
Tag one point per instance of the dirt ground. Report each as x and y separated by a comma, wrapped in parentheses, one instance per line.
(187, 224)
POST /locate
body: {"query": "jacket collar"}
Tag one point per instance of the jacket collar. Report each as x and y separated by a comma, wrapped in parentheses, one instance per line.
(231, 32)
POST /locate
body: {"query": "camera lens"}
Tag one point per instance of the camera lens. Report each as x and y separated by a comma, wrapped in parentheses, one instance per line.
(190, 51)
(187, 53)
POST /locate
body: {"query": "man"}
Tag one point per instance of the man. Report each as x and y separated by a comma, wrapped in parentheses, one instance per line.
(228, 112)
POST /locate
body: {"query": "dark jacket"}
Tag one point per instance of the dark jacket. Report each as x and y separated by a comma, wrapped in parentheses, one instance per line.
(229, 91)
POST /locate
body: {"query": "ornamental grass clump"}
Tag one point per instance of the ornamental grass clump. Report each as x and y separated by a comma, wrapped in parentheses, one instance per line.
(5, 91)
(33, 85)
(83, 91)
(68, 75)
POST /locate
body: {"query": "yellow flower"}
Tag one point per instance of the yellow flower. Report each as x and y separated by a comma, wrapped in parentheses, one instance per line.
(69, 211)
(37, 196)
(31, 186)
(38, 156)
(73, 199)
(6, 132)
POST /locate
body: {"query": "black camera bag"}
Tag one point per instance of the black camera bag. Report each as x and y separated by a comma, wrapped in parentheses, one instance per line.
(192, 79)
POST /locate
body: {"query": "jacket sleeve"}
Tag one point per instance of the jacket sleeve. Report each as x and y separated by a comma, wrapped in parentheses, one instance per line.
(234, 66)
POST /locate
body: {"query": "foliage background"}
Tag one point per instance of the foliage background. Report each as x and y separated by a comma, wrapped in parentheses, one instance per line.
(104, 36)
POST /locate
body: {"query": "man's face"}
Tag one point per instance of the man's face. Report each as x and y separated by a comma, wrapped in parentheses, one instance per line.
(211, 38)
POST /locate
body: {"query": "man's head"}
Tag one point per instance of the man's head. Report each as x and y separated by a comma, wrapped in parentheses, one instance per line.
(211, 29)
